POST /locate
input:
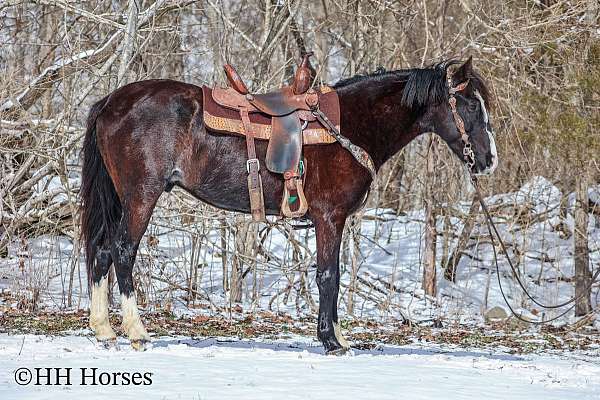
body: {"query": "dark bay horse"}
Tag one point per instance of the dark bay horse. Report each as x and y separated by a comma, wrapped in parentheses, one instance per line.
(148, 136)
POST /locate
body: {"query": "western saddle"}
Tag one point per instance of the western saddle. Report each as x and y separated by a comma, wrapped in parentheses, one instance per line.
(286, 117)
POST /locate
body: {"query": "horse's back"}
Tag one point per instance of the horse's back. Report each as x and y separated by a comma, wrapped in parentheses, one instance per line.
(153, 99)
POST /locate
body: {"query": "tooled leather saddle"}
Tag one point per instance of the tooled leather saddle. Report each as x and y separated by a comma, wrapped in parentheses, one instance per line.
(285, 117)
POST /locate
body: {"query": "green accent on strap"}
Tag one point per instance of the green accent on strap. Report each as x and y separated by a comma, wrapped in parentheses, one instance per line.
(292, 199)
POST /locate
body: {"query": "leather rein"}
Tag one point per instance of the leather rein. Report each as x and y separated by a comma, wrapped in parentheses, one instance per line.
(469, 160)
(357, 152)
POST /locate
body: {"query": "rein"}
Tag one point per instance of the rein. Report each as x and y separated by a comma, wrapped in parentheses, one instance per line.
(469, 159)
(491, 226)
(357, 152)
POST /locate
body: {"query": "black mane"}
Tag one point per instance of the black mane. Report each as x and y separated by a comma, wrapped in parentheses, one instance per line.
(422, 86)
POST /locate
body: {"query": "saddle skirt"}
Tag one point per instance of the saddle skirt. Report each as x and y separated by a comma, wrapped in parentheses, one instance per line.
(221, 114)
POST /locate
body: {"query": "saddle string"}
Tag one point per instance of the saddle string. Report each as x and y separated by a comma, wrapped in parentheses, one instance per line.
(469, 159)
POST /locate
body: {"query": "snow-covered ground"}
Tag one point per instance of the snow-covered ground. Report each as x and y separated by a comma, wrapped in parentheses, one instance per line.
(183, 368)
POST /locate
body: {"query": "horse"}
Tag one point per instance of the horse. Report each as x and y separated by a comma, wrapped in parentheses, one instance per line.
(148, 136)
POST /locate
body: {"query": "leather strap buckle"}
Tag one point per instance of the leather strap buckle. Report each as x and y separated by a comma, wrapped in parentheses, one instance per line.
(251, 162)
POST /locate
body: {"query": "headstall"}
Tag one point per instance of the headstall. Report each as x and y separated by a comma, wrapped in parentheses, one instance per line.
(468, 155)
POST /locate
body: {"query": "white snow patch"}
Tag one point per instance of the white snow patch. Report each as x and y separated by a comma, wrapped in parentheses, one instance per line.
(209, 369)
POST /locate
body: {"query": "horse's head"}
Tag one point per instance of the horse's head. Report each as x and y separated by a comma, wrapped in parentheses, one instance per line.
(463, 121)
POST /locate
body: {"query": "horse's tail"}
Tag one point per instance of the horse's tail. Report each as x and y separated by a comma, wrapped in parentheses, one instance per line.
(100, 207)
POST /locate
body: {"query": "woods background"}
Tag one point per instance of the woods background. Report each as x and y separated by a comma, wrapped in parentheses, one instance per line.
(541, 59)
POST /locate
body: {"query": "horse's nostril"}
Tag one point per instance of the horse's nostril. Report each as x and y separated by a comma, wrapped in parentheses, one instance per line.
(489, 159)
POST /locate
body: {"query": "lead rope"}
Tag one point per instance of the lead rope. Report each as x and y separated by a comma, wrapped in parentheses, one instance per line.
(491, 226)
(469, 159)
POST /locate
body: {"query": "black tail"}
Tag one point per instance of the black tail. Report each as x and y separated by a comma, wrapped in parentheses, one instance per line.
(100, 206)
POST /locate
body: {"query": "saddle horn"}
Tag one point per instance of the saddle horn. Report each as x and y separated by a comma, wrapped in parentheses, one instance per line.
(235, 80)
(303, 78)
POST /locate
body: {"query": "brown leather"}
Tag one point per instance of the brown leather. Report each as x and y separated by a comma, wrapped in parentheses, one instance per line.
(231, 98)
(280, 102)
(306, 115)
(223, 115)
(235, 80)
(276, 103)
(285, 146)
(301, 83)
(302, 79)
(289, 112)
(257, 204)
(310, 136)
(293, 186)
(289, 177)
(311, 99)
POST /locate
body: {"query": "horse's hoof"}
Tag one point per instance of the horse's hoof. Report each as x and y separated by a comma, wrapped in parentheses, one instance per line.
(104, 333)
(338, 352)
(140, 344)
(110, 343)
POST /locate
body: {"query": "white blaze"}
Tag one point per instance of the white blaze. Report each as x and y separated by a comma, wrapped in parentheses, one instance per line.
(489, 170)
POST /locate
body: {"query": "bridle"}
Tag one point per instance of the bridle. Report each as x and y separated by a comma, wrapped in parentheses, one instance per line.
(469, 160)
(468, 154)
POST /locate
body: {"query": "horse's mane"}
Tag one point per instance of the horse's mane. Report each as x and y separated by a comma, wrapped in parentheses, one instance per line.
(422, 86)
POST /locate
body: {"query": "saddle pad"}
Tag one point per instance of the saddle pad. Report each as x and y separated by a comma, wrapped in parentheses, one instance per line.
(227, 120)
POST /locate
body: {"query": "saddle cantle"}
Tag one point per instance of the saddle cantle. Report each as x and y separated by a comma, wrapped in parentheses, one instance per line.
(283, 117)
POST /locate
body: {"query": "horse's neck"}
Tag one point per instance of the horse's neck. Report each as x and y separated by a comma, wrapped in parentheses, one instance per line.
(378, 122)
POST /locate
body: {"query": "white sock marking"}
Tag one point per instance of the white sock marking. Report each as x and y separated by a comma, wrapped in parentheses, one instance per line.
(339, 337)
(99, 311)
(132, 324)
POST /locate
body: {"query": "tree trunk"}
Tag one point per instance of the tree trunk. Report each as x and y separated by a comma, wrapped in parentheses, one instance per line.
(354, 232)
(581, 254)
(128, 41)
(237, 264)
(429, 275)
(224, 235)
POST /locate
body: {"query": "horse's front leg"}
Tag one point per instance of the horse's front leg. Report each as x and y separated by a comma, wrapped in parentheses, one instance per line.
(329, 231)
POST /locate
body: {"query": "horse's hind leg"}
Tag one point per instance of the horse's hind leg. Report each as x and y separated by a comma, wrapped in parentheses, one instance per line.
(99, 321)
(137, 211)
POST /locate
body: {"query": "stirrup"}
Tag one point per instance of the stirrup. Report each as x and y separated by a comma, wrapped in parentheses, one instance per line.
(294, 183)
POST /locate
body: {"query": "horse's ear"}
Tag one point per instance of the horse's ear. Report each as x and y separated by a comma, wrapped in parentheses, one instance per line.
(464, 72)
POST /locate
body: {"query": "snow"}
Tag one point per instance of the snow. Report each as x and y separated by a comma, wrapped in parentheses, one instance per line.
(296, 369)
